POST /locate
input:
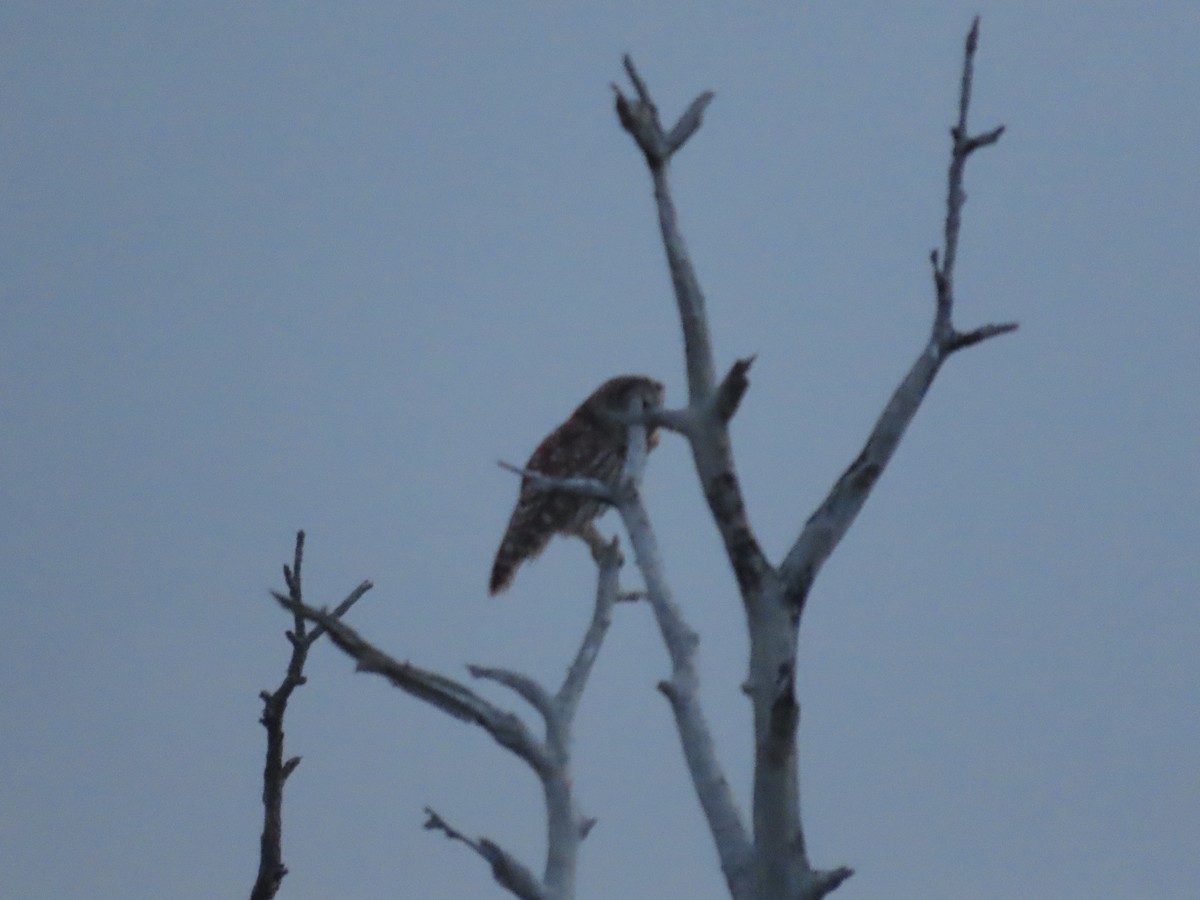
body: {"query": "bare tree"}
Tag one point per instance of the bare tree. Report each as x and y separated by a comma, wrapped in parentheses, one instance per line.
(764, 858)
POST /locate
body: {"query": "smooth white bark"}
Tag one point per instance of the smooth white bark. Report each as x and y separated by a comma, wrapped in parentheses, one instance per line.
(775, 865)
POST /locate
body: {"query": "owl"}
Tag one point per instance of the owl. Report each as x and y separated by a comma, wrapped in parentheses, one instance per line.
(590, 444)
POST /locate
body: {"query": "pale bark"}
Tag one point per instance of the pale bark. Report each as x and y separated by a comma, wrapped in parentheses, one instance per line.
(773, 597)
(549, 757)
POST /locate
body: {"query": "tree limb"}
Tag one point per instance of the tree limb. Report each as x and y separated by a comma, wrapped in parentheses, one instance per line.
(450, 696)
(710, 407)
(640, 118)
(549, 758)
(271, 870)
(733, 388)
(587, 487)
(774, 598)
(506, 869)
(682, 690)
(829, 523)
(607, 595)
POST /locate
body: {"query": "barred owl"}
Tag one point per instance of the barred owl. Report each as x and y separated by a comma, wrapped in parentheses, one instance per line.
(589, 444)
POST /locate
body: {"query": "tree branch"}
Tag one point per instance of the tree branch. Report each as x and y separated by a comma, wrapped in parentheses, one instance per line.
(506, 869)
(681, 421)
(450, 696)
(587, 487)
(566, 826)
(528, 689)
(271, 870)
(829, 523)
(774, 599)
(549, 758)
(640, 118)
(732, 389)
(607, 594)
(682, 690)
(710, 407)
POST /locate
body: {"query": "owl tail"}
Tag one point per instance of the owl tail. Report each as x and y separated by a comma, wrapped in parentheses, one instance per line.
(522, 541)
(503, 571)
(511, 553)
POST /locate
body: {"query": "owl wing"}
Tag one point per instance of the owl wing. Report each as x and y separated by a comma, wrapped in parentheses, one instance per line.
(576, 448)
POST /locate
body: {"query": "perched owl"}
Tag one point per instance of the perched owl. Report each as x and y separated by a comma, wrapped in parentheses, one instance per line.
(589, 444)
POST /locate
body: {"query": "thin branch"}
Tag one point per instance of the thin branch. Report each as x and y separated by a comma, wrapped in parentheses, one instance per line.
(532, 692)
(566, 827)
(342, 608)
(506, 869)
(549, 759)
(705, 423)
(588, 487)
(682, 689)
(689, 122)
(640, 118)
(967, 339)
(681, 421)
(446, 694)
(733, 388)
(832, 519)
(271, 869)
(829, 523)
(607, 595)
(964, 144)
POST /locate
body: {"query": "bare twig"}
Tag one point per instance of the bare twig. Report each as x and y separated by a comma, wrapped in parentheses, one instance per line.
(705, 423)
(528, 689)
(507, 871)
(271, 869)
(341, 609)
(446, 694)
(640, 118)
(733, 388)
(548, 758)
(826, 527)
(689, 122)
(588, 487)
(964, 144)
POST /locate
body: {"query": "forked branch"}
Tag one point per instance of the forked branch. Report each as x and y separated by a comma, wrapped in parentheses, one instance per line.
(639, 117)
(548, 757)
(705, 422)
(271, 869)
(774, 598)
(826, 527)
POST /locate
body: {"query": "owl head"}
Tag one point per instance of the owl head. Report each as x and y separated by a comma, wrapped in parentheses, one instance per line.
(610, 403)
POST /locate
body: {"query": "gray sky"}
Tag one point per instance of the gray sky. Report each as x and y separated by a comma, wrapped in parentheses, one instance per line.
(282, 265)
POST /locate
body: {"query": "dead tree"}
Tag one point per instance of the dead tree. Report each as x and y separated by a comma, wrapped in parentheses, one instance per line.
(763, 857)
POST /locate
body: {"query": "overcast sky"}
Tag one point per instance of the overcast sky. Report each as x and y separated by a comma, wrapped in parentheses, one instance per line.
(270, 266)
